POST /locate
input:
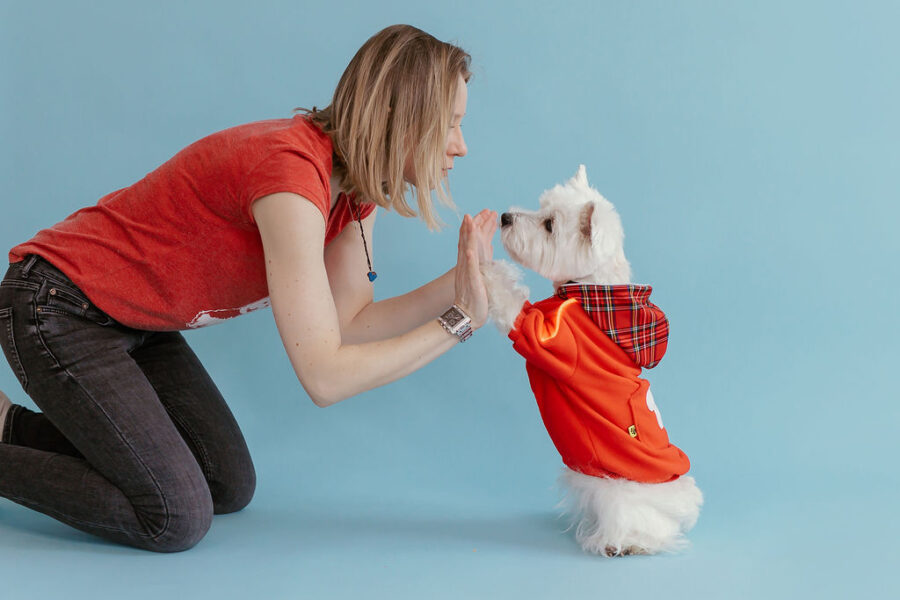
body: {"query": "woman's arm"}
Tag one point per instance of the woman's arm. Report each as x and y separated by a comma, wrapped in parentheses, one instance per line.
(293, 231)
(363, 320)
(393, 316)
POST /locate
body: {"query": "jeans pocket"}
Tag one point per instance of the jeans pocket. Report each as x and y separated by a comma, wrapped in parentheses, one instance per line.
(57, 298)
(8, 343)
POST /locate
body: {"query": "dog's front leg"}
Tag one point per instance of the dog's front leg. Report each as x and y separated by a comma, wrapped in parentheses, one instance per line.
(506, 294)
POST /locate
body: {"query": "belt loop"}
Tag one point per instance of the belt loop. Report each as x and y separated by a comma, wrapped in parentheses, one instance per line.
(29, 262)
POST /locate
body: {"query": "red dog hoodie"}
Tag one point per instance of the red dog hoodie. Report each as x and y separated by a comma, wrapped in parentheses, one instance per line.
(584, 349)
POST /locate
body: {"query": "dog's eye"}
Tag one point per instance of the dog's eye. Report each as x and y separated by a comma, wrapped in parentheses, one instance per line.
(548, 225)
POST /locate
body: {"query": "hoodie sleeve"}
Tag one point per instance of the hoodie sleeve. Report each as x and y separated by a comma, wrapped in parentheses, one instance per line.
(547, 341)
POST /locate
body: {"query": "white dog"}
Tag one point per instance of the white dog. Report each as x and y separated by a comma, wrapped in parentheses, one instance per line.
(584, 349)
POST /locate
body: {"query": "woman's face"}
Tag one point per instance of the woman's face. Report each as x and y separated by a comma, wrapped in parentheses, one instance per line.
(454, 145)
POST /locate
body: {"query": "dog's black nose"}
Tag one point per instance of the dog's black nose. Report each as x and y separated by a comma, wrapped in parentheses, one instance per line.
(505, 219)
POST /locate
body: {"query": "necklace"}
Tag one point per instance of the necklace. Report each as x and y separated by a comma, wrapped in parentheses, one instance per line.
(372, 274)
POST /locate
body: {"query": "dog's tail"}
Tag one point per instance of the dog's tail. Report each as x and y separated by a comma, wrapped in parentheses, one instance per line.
(612, 516)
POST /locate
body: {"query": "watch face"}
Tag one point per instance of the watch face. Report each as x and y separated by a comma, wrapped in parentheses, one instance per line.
(453, 317)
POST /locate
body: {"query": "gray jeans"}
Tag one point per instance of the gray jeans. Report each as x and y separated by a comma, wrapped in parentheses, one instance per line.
(135, 443)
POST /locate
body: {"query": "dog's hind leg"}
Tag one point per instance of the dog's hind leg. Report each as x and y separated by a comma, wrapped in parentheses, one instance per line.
(618, 517)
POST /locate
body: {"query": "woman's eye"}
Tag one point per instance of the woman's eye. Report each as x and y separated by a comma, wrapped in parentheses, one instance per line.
(548, 225)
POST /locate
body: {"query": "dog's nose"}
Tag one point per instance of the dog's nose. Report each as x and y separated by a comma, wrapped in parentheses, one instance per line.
(505, 219)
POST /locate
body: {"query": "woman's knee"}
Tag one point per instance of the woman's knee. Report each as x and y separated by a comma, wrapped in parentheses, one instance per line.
(190, 514)
(235, 492)
(186, 519)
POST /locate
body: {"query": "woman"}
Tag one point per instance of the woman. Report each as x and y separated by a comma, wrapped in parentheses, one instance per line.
(135, 443)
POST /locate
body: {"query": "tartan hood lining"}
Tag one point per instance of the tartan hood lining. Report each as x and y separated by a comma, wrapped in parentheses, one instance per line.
(645, 338)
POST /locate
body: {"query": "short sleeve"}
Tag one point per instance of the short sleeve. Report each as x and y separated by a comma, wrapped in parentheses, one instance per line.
(284, 171)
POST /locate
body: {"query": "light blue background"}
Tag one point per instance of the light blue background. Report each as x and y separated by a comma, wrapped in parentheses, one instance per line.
(752, 151)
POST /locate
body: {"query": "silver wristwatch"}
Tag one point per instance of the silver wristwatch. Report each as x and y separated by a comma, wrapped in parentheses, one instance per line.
(455, 321)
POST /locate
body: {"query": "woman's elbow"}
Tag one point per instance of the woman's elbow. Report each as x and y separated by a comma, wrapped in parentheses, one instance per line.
(321, 402)
(322, 393)
(323, 377)
(315, 392)
(324, 401)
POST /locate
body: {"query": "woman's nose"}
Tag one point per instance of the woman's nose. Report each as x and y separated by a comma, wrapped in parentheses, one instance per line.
(457, 146)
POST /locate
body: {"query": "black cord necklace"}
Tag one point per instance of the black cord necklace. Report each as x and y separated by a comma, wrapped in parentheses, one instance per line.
(372, 274)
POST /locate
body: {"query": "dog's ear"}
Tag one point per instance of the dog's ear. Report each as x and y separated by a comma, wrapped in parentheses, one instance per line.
(606, 233)
(584, 220)
(580, 178)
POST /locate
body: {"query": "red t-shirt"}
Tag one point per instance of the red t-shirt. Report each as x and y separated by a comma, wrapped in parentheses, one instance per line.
(179, 249)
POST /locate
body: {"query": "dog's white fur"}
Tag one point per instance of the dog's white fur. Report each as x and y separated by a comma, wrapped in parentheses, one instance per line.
(584, 242)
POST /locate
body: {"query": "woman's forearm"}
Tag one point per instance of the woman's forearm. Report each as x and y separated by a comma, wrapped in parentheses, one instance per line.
(362, 367)
(395, 316)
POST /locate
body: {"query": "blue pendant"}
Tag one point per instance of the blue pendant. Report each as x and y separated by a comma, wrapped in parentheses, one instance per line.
(372, 275)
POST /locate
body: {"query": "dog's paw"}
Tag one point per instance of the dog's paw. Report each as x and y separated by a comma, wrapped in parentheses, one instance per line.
(611, 551)
(505, 292)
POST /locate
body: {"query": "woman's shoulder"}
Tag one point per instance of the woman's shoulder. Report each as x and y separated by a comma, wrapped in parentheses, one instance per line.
(240, 148)
(296, 131)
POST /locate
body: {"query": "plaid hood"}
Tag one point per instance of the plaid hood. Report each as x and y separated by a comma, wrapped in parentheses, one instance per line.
(626, 315)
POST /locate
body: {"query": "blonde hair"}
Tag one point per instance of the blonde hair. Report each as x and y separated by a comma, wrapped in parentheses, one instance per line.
(395, 100)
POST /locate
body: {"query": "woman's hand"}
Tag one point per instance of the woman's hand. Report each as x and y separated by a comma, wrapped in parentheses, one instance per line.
(471, 294)
(485, 227)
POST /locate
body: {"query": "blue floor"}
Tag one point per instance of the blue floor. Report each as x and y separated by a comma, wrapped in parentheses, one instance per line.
(289, 544)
